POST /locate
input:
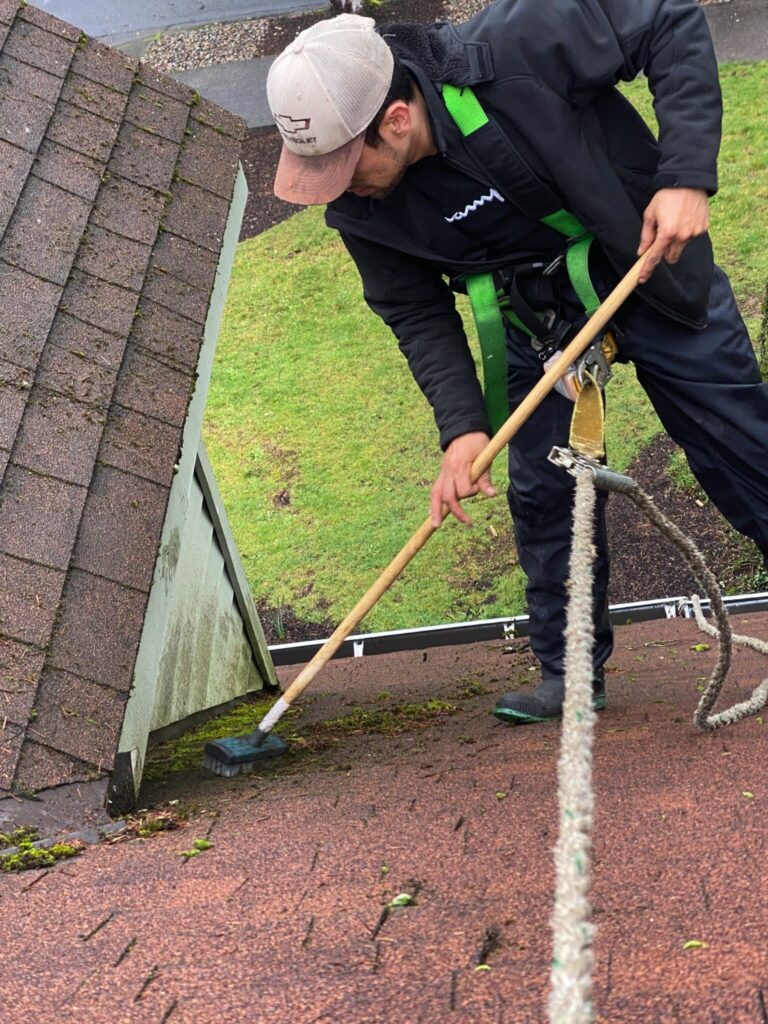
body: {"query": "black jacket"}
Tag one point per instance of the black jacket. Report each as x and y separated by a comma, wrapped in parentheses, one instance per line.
(545, 72)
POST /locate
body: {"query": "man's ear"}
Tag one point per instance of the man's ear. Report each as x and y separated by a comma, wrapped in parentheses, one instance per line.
(397, 119)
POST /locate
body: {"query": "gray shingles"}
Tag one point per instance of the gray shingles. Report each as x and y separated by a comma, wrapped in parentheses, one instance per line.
(29, 597)
(141, 445)
(45, 231)
(157, 113)
(74, 172)
(143, 158)
(59, 437)
(42, 49)
(20, 667)
(173, 338)
(129, 209)
(107, 66)
(82, 131)
(39, 517)
(79, 717)
(97, 634)
(122, 506)
(197, 216)
(147, 385)
(209, 160)
(99, 303)
(28, 306)
(95, 98)
(72, 374)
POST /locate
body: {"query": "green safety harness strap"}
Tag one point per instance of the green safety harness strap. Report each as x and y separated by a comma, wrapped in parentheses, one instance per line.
(487, 303)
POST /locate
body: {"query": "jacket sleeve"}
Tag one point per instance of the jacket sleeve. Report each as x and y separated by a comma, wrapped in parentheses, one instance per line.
(415, 302)
(579, 46)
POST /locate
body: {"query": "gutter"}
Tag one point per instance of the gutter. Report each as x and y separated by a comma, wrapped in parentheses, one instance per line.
(507, 629)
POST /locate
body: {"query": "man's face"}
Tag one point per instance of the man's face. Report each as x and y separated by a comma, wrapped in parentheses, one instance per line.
(379, 171)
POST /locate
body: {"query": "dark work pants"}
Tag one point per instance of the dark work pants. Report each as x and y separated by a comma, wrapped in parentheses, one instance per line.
(705, 387)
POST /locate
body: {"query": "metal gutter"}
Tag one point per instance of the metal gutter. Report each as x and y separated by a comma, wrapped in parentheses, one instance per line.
(498, 629)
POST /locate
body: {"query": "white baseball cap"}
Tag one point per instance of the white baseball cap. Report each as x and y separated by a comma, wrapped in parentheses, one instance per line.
(324, 90)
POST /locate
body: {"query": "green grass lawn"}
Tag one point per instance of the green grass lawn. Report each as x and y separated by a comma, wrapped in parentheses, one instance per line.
(325, 450)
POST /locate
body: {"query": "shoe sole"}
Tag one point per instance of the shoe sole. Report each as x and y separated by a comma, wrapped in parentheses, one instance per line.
(513, 717)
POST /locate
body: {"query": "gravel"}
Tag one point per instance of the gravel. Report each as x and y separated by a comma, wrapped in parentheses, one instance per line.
(243, 40)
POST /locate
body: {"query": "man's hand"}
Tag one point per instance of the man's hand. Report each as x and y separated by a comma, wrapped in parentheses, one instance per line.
(454, 481)
(673, 217)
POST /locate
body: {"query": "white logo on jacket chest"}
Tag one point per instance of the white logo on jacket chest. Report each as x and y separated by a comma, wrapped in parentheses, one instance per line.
(471, 207)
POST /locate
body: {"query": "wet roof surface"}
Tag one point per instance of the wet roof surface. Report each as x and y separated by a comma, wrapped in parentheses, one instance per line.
(282, 920)
(115, 186)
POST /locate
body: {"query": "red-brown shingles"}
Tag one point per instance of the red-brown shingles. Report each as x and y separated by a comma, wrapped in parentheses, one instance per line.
(15, 384)
(198, 216)
(29, 306)
(158, 113)
(120, 527)
(83, 132)
(140, 444)
(42, 49)
(97, 634)
(20, 667)
(131, 210)
(14, 168)
(44, 233)
(40, 767)
(78, 717)
(74, 172)
(95, 98)
(39, 517)
(59, 437)
(113, 258)
(148, 386)
(29, 598)
(210, 160)
(89, 453)
(170, 337)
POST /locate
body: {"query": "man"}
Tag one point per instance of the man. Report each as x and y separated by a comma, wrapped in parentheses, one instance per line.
(425, 197)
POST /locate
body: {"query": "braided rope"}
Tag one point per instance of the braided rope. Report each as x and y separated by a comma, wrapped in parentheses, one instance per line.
(702, 718)
(570, 999)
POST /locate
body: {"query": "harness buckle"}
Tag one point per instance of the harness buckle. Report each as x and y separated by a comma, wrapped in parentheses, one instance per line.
(551, 269)
(596, 361)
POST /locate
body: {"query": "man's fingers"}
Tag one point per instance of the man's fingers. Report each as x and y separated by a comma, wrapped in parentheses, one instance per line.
(648, 234)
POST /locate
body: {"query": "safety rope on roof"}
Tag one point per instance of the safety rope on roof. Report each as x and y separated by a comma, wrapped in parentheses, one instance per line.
(570, 1000)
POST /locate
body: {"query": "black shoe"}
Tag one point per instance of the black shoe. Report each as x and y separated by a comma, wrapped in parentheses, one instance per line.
(545, 704)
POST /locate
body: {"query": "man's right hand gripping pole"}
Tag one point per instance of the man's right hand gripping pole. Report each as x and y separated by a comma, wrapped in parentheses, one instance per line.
(455, 482)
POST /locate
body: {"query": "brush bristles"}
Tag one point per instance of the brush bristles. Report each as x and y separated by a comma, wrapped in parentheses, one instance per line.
(212, 764)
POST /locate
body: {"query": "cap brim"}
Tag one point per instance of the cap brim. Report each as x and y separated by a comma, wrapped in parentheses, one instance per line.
(311, 180)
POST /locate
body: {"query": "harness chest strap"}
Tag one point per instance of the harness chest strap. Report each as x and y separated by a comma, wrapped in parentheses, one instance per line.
(469, 116)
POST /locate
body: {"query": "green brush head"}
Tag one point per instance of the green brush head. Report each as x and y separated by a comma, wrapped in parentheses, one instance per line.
(235, 754)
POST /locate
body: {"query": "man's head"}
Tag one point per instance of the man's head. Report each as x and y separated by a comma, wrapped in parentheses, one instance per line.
(341, 102)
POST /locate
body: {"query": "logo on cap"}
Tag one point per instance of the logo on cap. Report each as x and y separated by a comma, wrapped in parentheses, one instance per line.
(291, 125)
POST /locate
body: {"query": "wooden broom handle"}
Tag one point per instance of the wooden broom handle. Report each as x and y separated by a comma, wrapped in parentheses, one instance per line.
(599, 319)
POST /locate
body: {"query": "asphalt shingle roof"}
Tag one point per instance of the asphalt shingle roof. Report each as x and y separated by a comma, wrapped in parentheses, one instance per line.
(115, 184)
